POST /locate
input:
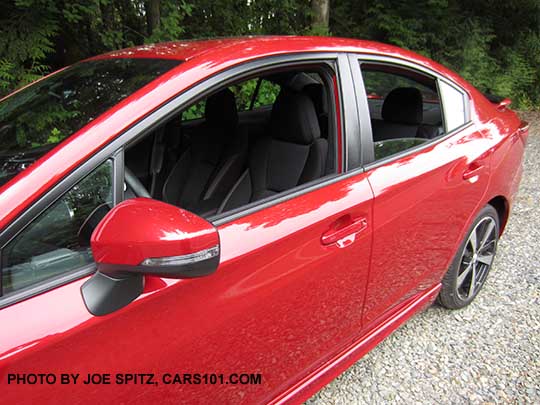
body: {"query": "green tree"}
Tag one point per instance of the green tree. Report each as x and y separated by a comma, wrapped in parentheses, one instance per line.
(495, 44)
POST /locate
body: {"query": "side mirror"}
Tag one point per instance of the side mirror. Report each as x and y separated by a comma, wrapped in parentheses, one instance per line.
(141, 237)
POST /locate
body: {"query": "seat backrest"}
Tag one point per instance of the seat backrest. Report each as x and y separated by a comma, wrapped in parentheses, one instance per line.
(212, 163)
(317, 93)
(291, 154)
(402, 113)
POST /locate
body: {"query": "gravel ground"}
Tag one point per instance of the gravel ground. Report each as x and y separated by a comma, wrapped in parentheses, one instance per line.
(488, 352)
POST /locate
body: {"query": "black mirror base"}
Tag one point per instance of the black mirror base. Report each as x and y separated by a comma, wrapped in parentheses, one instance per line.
(103, 294)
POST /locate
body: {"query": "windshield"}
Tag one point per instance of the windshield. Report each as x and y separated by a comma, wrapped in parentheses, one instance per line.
(38, 117)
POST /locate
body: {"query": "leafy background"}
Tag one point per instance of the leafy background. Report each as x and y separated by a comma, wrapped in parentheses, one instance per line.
(495, 44)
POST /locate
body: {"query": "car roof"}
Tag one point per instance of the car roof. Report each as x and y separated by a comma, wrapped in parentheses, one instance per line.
(252, 45)
(216, 51)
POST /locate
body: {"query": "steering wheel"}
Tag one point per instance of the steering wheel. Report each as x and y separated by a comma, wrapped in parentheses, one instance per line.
(90, 223)
(135, 184)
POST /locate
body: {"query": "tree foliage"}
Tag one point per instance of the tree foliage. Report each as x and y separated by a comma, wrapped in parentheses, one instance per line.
(493, 43)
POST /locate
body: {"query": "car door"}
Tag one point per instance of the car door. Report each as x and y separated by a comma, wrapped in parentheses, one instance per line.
(425, 191)
(287, 297)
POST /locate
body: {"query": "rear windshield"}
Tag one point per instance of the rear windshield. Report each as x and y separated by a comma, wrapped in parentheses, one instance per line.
(38, 117)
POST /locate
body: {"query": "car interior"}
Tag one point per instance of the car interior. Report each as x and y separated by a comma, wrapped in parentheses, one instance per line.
(243, 143)
(404, 106)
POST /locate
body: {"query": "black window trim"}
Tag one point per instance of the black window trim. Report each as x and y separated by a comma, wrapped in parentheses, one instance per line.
(255, 94)
(115, 150)
(368, 158)
(45, 202)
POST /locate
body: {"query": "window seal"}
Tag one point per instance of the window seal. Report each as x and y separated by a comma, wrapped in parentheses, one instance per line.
(47, 285)
(417, 148)
(255, 94)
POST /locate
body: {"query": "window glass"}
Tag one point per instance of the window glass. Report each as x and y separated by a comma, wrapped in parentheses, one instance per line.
(244, 92)
(59, 239)
(454, 106)
(195, 112)
(267, 94)
(202, 162)
(38, 117)
(404, 107)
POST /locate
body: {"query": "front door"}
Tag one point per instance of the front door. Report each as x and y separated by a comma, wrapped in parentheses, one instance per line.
(287, 296)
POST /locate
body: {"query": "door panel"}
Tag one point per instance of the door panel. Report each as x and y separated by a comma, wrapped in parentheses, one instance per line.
(280, 304)
(422, 200)
(422, 204)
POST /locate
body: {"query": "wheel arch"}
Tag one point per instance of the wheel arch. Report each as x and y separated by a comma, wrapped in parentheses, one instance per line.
(501, 205)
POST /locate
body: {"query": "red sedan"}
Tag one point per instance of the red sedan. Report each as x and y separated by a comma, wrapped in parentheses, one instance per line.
(238, 220)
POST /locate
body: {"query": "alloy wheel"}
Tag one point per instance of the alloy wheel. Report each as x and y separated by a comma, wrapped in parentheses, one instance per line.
(477, 258)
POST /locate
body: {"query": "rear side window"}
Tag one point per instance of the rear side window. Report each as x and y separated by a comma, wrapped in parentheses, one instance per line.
(404, 107)
(58, 240)
(453, 106)
(380, 83)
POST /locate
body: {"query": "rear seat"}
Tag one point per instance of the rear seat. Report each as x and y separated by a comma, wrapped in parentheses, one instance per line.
(402, 116)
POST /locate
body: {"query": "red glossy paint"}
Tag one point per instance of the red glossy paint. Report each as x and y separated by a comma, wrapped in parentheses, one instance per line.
(295, 298)
(142, 228)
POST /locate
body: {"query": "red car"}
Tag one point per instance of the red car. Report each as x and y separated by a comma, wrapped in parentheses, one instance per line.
(238, 220)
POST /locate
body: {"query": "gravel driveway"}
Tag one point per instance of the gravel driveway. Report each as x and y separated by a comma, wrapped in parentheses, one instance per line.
(488, 352)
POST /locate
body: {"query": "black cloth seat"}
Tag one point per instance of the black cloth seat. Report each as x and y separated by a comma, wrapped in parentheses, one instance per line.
(317, 93)
(213, 161)
(402, 116)
(291, 154)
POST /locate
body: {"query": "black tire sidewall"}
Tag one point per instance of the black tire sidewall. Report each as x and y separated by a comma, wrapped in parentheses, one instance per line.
(448, 296)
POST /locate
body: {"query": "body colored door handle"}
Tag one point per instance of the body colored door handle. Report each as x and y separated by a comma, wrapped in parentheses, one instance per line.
(472, 170)
(343, 228)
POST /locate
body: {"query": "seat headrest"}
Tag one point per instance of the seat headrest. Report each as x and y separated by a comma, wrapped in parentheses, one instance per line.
(317, 94)
(403, 105)
(294, 119)
(220, 109)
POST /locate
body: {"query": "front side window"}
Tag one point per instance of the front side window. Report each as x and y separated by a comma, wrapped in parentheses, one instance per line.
(255, 93)
(58, 240)
(249, 95)
(35, 119)
(254, 139)
(404, 107)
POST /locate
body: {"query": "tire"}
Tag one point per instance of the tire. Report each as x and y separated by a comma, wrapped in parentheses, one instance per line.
(472, 262)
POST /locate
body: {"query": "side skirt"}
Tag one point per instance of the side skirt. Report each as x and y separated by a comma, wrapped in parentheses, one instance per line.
(328, 371)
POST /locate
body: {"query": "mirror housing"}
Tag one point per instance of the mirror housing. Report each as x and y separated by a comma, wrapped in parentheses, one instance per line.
(141, 237)
(151, 237)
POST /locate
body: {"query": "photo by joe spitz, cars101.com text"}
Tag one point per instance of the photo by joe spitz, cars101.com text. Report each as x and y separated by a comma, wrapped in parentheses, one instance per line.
(168, 243)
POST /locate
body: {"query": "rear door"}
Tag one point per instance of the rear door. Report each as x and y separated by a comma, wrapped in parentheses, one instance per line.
(426, 187)
(287, 296)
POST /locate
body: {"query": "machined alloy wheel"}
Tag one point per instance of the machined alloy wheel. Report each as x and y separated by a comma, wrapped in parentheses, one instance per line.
(473, 261)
